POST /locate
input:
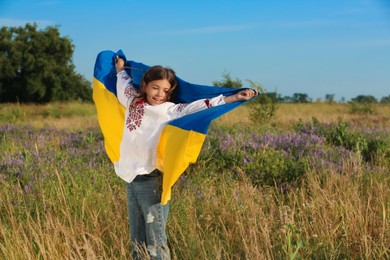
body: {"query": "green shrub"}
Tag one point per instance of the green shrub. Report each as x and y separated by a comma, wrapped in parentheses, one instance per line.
(360, 108)
(370, 145)
(264, 108)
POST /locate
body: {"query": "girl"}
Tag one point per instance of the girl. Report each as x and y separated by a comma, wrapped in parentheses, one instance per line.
(147, 112)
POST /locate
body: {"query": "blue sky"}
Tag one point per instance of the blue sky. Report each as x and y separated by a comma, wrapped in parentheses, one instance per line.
(339, 47)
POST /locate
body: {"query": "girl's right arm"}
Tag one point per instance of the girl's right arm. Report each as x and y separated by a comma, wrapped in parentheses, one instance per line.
(124, 87)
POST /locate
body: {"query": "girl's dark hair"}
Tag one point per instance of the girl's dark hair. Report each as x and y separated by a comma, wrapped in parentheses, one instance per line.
(158, 73)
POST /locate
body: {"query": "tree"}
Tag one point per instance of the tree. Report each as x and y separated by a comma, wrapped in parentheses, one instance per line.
(263, 107)
(228, 82)
(385, 100)
(329, 98)
(36, 66)
(301, 98)
(286, 99)
(273, 96)
(364, 99)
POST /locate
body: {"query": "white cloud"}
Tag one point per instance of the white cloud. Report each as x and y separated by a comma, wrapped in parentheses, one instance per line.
(207, 29)
(300, 24)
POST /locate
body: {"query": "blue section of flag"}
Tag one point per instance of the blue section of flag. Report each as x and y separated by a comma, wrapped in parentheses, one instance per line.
(201, 120)
(185, 93)
(181, 140)
(104, 70)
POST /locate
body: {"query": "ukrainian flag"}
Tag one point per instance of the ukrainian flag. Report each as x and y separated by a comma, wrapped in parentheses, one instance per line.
(181, 140)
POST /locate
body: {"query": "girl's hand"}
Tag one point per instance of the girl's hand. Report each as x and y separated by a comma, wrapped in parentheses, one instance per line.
(241, 96)
(246, 94)
(119, 64)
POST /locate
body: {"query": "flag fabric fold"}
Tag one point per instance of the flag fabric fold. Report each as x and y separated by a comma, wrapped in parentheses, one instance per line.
(181, 139)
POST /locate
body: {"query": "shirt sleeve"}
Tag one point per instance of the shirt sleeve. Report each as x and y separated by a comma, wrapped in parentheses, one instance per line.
(180, 110)
(124, 88)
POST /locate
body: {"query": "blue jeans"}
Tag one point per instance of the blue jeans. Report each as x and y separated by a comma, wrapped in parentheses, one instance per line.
(147, 217)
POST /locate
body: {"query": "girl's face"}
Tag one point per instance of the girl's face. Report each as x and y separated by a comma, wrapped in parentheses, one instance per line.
(156, 91)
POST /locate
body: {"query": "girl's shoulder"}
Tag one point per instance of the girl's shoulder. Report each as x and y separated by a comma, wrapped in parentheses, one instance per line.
(131, 92)
(166, 105)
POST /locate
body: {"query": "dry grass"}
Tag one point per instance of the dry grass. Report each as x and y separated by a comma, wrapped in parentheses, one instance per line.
(332, 218)
(337, 216)
(76, 115)
(72, 115)
(328, 218)
(49, 227)
(287, 115)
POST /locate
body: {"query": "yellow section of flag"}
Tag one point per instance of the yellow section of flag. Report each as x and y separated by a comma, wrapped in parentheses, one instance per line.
(176, 150)
(111, 116)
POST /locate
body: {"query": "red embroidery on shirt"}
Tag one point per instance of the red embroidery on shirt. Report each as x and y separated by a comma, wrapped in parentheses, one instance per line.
(136, 113)
(207, 102)
(181, 107)
(130, 92)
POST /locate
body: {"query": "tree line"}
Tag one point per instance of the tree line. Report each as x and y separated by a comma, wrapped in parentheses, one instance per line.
(275, 97)
(36, 66)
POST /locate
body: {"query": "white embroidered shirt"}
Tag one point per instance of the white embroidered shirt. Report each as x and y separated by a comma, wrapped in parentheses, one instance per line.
(143, 127)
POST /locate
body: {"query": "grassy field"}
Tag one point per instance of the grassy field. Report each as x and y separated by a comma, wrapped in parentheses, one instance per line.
(311, 182)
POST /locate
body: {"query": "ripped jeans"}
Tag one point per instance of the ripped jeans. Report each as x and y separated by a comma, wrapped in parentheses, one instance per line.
(147, 217)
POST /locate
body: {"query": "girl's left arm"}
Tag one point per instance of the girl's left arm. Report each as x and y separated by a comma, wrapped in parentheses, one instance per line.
(241, 96)
(180, 110)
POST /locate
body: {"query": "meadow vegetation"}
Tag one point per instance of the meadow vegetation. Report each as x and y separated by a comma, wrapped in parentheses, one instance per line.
(312, 181)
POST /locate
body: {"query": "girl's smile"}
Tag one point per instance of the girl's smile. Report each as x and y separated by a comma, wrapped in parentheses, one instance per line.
(157, 91)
